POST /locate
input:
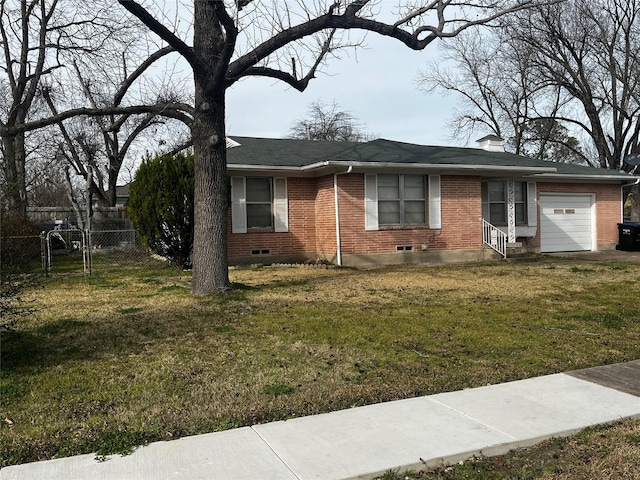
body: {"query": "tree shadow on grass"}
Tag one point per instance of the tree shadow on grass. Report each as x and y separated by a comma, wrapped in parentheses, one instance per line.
(125, 332)
(128, 330)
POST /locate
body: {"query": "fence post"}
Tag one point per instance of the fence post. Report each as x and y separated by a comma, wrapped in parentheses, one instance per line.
(89, 215)
(87, 251)
(43, 254)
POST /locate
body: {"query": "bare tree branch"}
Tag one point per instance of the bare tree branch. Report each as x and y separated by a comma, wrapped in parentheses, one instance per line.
(171, 110)
(142, 68)
(162, 31)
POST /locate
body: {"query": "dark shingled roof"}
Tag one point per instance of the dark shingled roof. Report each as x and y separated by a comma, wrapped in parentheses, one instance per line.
(275, 152)
(386, 151)
(271, 152)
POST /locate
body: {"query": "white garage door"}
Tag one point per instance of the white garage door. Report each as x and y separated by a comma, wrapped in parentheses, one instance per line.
(565, 223)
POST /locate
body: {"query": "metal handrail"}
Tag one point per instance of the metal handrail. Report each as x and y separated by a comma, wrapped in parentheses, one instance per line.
(494, 238)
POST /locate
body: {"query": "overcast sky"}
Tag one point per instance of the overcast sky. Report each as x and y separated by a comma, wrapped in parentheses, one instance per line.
(378, 88)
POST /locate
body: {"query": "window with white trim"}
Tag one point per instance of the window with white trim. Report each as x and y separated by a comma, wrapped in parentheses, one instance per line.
(259, 203)
(495, 202)
(401, 200)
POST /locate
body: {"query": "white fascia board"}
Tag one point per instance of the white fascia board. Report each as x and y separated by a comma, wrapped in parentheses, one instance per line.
(434, 167)
(258, 168)
(333, 166)
(261, 170)
(584, 178)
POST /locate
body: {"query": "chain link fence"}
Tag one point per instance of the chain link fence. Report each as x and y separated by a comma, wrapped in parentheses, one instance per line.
(71, 251)
(109, 249)
(22, 255)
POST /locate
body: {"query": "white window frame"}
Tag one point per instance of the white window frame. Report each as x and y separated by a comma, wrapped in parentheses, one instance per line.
(529, 203)
(433, 203)
(267, 202)
(279, 205)
(401, 200)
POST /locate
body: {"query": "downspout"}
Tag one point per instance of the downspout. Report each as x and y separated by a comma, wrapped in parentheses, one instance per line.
(335, 195)
(624, 184)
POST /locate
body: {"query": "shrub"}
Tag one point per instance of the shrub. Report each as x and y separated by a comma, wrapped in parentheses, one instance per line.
(20, 251)
(20, 244)
(161, 206)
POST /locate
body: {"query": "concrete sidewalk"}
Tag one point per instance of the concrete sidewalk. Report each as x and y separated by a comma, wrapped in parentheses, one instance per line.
(367, 441)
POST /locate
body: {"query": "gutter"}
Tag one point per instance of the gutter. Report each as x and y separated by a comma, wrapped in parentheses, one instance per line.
(337, 206)
(631, 184)
(310, 168)
(593, 178)
(433, 167)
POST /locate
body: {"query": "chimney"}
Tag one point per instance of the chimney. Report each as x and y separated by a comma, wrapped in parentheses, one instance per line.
(491, 143)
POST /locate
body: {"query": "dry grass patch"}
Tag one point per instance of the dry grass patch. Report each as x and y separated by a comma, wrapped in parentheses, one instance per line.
(602, 452)
(129, 356)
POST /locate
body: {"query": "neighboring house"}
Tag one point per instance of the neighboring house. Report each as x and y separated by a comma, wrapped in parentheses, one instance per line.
(122, 196)
(385, 202)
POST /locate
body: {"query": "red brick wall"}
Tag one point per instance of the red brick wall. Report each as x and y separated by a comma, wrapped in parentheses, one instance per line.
(312, 219)
(608, 207)
(300, 238)
(325, 234)
(461, 213)
(461, 220)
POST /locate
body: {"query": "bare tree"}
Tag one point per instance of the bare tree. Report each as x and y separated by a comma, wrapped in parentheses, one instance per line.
(103, 142)
(287, 41)
(573, 64)
(37, 37)
(41, 41)
(328, 122)
(590, 49)
(500, 92)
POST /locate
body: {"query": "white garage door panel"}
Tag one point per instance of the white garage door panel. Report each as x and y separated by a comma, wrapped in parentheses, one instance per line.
(569, 227)
(565, 223)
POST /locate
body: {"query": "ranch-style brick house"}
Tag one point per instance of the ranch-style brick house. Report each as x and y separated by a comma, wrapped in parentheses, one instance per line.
(385, 202)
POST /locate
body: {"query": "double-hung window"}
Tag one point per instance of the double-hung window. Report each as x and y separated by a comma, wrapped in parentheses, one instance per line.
(401, 200)
(495, 202)
(259, 203)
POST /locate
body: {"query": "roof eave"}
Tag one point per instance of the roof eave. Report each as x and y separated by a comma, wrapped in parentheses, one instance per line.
(446, 167)
(336, 166)
(593, 178)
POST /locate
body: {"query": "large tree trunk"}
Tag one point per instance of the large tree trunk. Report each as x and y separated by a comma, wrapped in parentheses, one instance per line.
(210, 264)
(14, 170)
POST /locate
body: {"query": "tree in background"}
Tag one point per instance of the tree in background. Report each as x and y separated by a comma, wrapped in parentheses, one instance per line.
(572, 64)
(103, 142)
(549, 140)
(161, 206)
(328, 122)
(494, 85)
(38, 39)
(499, 91)
(286, 41)
(62, 60)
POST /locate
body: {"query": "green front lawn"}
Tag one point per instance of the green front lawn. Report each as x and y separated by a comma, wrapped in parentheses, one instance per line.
(128, 356)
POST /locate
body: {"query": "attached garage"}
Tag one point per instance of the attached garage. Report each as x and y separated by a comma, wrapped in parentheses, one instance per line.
(567, 222)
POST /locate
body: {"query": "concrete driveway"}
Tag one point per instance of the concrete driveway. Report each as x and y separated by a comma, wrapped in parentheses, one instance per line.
(601, 256)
